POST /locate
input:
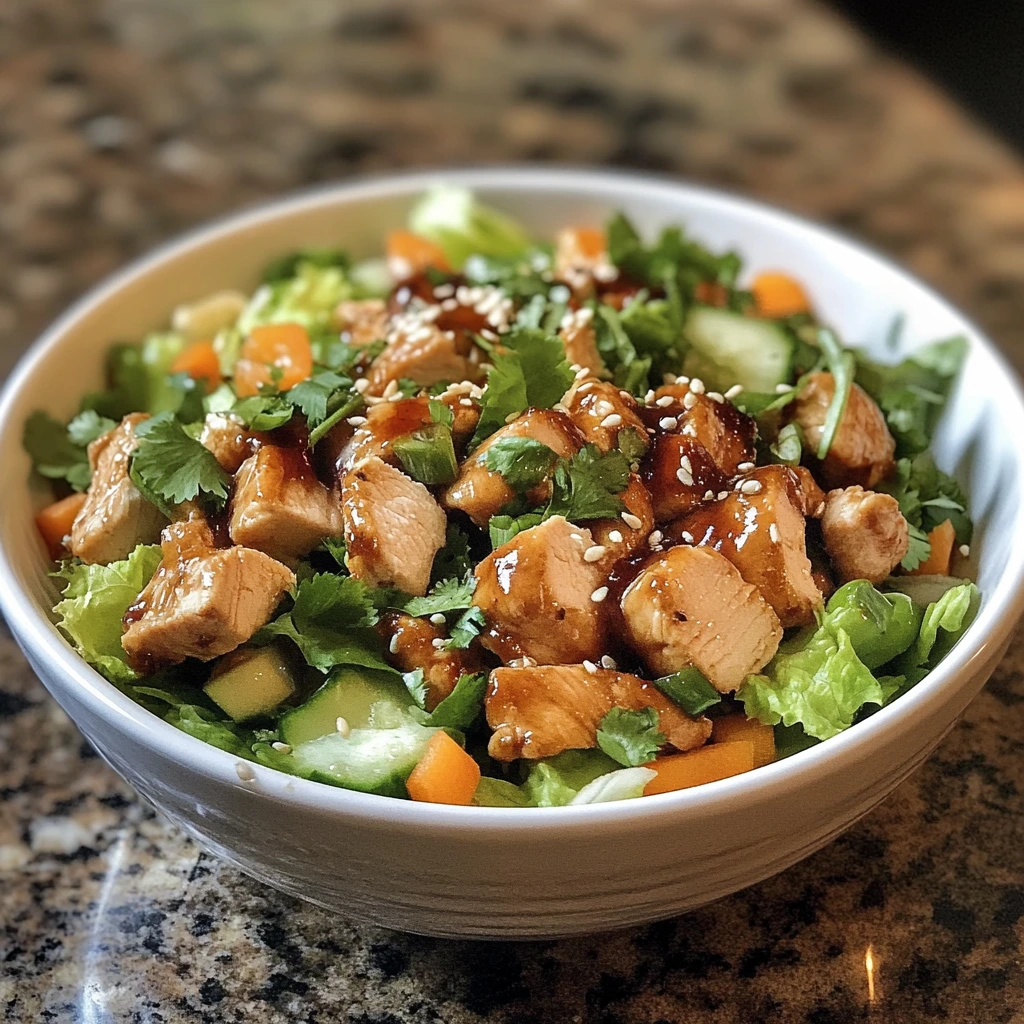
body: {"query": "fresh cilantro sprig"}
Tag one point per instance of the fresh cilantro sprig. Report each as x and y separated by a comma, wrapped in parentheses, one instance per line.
(459, 710)
(630, 737)
(87, 426)
(451, 595)
(468, 626)
(54, 454)
(313, 395)
(522, 461)
(428, 454)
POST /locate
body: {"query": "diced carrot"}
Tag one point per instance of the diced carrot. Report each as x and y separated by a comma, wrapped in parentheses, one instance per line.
(711, 293)
(581, 245)
(739, 728)
(199, 360)
(446, 774)
(409, 255)
(778, 294)
(708, 764)
(54, 521)
(284, 346)
(941, 539)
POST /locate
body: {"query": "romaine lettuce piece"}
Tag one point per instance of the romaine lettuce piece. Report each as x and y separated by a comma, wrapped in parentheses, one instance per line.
(621, 785)
(308, 298)
(554, 781)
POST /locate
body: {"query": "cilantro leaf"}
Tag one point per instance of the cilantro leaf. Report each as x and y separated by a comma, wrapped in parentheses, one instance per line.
(690, 689)
(630, 737)
(172, 467)
(450, 595)
(467, 628)
(460, 709)
(87, 426)
(330, 623)
(428, 454)
(454, 558)
(503, 528)
(789, 445)
(53, 453)
(263, 412)
(416, 683)
(336, 548)
(588, 485)
(522, 461)
(441, 413)
(313, 395)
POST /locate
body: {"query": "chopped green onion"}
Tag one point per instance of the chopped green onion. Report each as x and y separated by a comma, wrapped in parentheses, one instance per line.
(690, 689)
(428, 455)
(842, 367)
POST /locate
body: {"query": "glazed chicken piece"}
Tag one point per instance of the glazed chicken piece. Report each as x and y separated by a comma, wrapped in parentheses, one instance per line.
(230, 441)
(115, 517)
(393, 527)
(203, 601)
(537, 591)
(680, 473)
(362, 321)
(409, 643)
(602, 412)
(580, 341)
(482, 493)
(813, 503)
(539, 711)
(426, 356)
(760, 528)
(386, 422)
(692, 607)
(862, 450)
(865, 534)
(726, 433)
(280, 507)
(628, 532)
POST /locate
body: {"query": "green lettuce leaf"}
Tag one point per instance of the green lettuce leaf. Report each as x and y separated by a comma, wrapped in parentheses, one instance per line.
(554, 781)
(499, 793)
(945, 621)
(625, 784)
(139, 378)
(308, 296)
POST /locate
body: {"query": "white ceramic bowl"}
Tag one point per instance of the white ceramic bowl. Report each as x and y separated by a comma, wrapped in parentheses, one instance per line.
(463, 871)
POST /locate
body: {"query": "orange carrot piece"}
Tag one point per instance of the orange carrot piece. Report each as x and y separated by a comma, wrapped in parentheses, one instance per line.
(446, 774)
(708, 764)
(738, 728)
(942, 539)
(581, 245)
(199, 360)
(409, 255)
(778, 294)
(54, 521)
(711, 293)
(284, 346)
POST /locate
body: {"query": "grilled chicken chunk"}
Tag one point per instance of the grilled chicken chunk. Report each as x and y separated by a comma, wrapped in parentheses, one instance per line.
(393, 527)
(680, 473)
(537, 591)
(621, 536)
(203, 601)
(862, 450)
(580, 341)
(426, 355)
(865, 534)
(482, 493)
(230, 441)
(760, 528)
(602, 412)
(386, 422)
(692, 607)
(726, 433)
(539, 711)
(115, 517)
(362, 321)
(410, 646)
(280, 507)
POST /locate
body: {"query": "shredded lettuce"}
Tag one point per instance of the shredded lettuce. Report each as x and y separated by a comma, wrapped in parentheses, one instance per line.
(554, 781)
(308, 297)
(621, 785)
(94, 602)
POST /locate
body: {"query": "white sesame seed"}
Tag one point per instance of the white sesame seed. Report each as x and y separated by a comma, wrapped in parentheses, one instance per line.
(244, 771)
(632, 521)
(669, 378)
(575, 367)
(438, 642)
(444, 291)
(342, 727)
(773, 533)
(281, 748)
(603, 407)
(584, 388)
(655, 537)
(745, 467)
(664, 402)
(614, 420)
(468, 402)
(965, 550)
(396, 397)
(607, 661)
(686, 537)
(684, 477)
(668, 423)
(734, 392)
(590, 667)
(625, 396)
(715, 396)
(361, 384)
(697, 386)
(393, 645)
(685, 462)
(689, 399)
(356, 421)
(649, 397)
(529, 662)
(709, 495)
(615, 536)
(578, 537)
(585, 315)
(594, 553)
(722, 495)
(488, 334)
(392, 387)
(437, 618)
(820, 509)
(682, 380)
(689, 430)
(750, 486)
(599, 595)
(781, 389)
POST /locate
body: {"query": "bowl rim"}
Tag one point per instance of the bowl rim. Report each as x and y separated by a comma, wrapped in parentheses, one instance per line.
(34, 630)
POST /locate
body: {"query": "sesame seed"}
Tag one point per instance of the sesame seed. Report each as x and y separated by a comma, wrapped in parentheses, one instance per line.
(669, 378)
(585, 315)
(593, 553)
(396, 397)
(773, 533)
(393, 645)
(356, 421)
(449, 304)
(965, 550)
(361, 384)
(444, 291)
(689, 399)
(244, 772)
(697, 386)
(590, 667)
(583, 371)
(686, 537)
(781, 389)
(615, 536)
(488, 334)
(722, 495)
(689, 430)
(438, 642)
(603, 407)
(709, 495)
(716, 397)
(607, 661)
(599, 595)
(745, 467)
(684, 477)
(342, 727)
(649, 397)
(668, 423)
(734, 392)
(468, 402)
(632, 521)
(625, 396)
(686, 463)
(281, 748)
(750, 486)
(391, 388)
(584, 388)
(614, 420)
(682, 380)
(437, 618)
(664, 402)
(820, 509)
(529, 662)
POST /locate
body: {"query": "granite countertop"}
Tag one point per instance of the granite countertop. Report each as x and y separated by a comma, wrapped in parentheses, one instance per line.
(123, 121)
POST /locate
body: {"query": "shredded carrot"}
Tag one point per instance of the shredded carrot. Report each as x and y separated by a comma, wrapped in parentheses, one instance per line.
(778, 294)
(739, 728)
(409, 255)
(200, 362)
(941, 539)
(54, 521)
(446, 774)
(708, 764)
(284, 346)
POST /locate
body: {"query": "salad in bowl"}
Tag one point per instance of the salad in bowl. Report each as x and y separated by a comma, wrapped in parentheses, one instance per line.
(509, 522)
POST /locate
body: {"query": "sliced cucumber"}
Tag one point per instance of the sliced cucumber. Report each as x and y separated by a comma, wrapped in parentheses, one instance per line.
(728, 348)
(363, 697)
(250, 683)
(367, 760)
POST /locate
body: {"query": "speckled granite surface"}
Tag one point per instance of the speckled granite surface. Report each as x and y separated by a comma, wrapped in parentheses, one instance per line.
(122, 121)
